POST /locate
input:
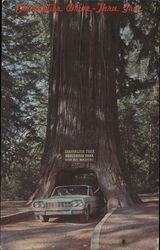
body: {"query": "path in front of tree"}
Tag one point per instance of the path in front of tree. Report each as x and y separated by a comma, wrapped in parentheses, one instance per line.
(57, 235)
(132, 229)
(125, 229)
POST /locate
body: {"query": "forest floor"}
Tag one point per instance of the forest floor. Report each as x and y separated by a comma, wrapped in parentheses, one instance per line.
(125, 229)
(13, 207)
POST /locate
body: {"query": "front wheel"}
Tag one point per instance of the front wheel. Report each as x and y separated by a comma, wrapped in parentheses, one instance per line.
(36, 217)
(44, 218)
(85, 217)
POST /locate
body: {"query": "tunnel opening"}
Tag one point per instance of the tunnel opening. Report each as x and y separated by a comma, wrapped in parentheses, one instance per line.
(81, 176)
(77, 177)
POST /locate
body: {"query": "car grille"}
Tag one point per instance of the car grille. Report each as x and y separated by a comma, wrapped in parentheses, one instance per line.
(55, 205)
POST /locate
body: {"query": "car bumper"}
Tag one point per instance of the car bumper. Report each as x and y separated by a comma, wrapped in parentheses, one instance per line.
(59, 213)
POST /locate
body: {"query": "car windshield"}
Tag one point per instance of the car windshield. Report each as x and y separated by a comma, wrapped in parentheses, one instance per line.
(70, 190)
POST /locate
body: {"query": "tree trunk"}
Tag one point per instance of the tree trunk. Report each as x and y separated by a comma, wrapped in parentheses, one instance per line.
(82, 107)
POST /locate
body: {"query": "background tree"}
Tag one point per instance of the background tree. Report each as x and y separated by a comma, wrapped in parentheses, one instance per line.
(24, 104)
(138, 119)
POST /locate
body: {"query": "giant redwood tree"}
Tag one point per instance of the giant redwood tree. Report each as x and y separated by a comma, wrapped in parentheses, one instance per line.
(82, 104)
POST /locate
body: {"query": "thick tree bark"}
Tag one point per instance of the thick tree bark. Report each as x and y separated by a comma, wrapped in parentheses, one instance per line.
(82, 108)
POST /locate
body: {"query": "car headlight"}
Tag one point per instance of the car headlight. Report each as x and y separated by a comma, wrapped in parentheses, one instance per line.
(41, 204)
(77, 204)
(38, 204)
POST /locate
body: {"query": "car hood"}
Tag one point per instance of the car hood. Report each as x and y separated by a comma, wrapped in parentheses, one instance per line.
(63, 198)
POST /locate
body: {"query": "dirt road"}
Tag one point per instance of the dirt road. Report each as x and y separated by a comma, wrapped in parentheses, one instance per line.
(56, 234)
(138, 228)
